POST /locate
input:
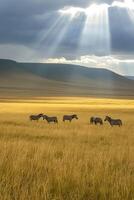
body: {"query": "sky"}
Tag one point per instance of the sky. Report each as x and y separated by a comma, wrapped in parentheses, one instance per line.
(97, 33)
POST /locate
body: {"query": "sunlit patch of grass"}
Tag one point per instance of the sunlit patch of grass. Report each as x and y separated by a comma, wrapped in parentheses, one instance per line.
(70, 161)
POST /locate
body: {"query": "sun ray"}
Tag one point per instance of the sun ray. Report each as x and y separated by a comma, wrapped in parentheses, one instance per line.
(96, 33)
(45, 33)
(56, 38)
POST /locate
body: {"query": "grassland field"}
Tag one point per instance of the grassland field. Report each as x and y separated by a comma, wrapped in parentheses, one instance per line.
(66, 161)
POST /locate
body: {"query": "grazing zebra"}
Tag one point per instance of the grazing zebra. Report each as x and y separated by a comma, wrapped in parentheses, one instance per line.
(96, 120)
(92, 120)
(36, 117)
(113, 122)
(50, 119)
(69, 117)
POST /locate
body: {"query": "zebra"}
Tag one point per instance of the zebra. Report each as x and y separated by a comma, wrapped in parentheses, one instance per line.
(35, 117)
(113, 122)
(92, 120)
(50, 119)
(69, 117)
(96, 120)
(44, 117)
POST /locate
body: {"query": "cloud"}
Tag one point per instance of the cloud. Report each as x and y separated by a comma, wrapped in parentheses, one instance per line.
(30, 26)
(36, 7)
(24, 54)
(122, 67)
(122, 31)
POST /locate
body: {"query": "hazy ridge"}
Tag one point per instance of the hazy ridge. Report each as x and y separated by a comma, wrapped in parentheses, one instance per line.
(38, 79)
(130, 77)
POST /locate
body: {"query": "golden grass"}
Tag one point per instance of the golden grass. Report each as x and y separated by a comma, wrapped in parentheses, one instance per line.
(77, 161)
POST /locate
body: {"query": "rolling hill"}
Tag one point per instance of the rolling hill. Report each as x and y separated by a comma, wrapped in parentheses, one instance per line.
(36, 79)
(130, 77)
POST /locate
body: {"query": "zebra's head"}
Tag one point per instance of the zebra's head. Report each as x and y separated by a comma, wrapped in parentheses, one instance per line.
(75, 117)
(92, 119)
(107, 118)
(44, 117)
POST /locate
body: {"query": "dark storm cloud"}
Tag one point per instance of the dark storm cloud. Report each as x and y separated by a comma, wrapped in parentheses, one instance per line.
(21, 29)
(32, 7)
(24, 22)
(122, 30)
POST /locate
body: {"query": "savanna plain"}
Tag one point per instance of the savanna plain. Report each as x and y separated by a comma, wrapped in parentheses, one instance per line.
(66, 161)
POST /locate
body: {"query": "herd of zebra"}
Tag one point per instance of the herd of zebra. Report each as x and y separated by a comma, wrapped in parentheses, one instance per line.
(93, 120)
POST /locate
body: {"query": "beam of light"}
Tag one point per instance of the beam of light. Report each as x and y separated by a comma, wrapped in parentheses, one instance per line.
(96, 33)
(57, 36)
(52, 37)
(45, 33)
(95, 37)
(96, 30)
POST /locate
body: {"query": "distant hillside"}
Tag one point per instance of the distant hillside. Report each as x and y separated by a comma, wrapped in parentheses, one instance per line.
(130, 77)
(36, 79)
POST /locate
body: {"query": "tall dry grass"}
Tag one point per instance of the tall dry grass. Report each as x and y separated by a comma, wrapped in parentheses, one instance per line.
(68, 161)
